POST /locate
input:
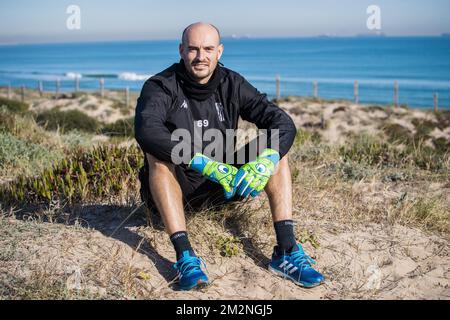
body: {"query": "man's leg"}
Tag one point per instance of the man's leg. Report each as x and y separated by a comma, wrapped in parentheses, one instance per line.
(167, 195)
(288, 259)
(168, 198)
(279, 192)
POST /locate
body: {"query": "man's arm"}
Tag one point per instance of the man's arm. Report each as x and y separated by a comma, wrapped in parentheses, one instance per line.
(150, 130)
(256, 108)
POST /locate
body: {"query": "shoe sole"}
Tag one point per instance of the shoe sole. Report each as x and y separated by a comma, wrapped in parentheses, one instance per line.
(198, 286)
(285, 276)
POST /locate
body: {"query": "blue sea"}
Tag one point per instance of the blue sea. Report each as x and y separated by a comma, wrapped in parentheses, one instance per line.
(421, 65)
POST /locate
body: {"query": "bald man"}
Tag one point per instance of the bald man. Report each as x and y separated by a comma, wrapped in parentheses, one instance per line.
(196, 95)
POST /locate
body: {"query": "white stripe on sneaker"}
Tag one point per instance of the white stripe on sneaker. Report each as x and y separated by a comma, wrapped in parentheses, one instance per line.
(289, 266)
(293, 270)
(281, 266)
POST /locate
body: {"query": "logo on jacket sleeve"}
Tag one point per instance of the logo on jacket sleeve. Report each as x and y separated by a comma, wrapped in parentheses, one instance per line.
(219, 109)
(184, 105)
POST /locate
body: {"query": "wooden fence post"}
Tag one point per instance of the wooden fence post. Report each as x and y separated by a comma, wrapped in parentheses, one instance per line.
(127, 96)
(102, 87)
(278, 94)
(356, 92)
(436, 102)
(40, 88)
(9, 91)
(57, 84)
(396, 94)
(315, 89)
(22, 93)
(77, 84)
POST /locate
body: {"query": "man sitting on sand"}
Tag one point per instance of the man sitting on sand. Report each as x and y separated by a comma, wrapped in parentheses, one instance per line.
(198, 93)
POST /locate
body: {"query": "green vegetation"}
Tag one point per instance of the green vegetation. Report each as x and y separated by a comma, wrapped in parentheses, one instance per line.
(443, 119)
(7, 121)
(228, 245)
(428, 212)
(20, 156)
(307, 236)
(374, 151)
(124, 128)
(106, 172)
(396, 133)
(375, 108)
(67, 121)
(13, 105)
(91, 107)
(423, 129)
(371, 151)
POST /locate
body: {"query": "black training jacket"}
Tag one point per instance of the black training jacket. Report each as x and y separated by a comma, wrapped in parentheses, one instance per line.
(163, 107)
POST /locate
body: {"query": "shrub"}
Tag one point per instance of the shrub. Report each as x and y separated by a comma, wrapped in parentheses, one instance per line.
(443, 118)
(13, 105)
(375, 108)
(304, 136)
(103, 173)
(396, 132)
(28, 158)
(373, 151)
(228, 246)
(442, 145)
(430, 212)
(7, 121)
(428, 158)
(67, 121)
(423, 128)
(353, 171)
(124, 127)
(91, 107)
(369, 150)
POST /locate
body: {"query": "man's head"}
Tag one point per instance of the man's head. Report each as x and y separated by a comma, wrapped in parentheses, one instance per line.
(201, 50)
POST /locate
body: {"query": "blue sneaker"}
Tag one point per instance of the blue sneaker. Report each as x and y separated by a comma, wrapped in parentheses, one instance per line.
(191, 272)
(296, 266)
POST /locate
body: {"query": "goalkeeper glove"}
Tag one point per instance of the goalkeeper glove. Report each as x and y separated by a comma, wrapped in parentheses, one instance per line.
(252, 177)
(218, 172)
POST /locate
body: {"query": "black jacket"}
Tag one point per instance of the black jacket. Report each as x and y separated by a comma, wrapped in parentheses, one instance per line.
(163, 107)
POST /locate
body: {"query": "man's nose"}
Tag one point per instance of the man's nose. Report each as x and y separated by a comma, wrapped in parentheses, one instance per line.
(201, 55)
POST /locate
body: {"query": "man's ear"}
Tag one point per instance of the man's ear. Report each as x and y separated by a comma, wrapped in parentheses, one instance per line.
(220, 49)
(181, 50)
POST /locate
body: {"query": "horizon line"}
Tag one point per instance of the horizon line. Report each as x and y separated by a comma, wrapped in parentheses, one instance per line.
(232, 37)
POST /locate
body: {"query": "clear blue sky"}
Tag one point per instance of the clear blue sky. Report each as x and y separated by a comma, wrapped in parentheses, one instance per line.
(45, 20)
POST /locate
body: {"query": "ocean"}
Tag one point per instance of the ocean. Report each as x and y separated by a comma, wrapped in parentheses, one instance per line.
(420, 65)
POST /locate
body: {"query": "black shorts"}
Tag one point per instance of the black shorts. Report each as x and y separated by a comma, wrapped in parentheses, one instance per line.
(198, 192)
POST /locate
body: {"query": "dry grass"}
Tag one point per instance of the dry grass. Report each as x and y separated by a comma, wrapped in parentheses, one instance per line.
(374, 202)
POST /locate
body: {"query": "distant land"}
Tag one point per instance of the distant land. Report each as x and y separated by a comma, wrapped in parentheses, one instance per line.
(11, 42)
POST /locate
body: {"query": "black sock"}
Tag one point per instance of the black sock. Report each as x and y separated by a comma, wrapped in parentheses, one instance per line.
(181, 243)
(285, 235)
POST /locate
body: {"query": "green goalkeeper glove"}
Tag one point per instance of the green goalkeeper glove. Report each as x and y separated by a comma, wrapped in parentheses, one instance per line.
(252, 177)
(218, 172)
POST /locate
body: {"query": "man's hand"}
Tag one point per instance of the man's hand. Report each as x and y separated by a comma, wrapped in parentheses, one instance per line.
(252, 177)
(219, 172)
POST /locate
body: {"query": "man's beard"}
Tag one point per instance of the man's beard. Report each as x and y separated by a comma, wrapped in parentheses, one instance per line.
(201, 74)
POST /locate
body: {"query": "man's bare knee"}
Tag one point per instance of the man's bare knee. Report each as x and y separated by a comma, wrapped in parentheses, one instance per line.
(157, 166)
(281, 175)
(282, 166)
